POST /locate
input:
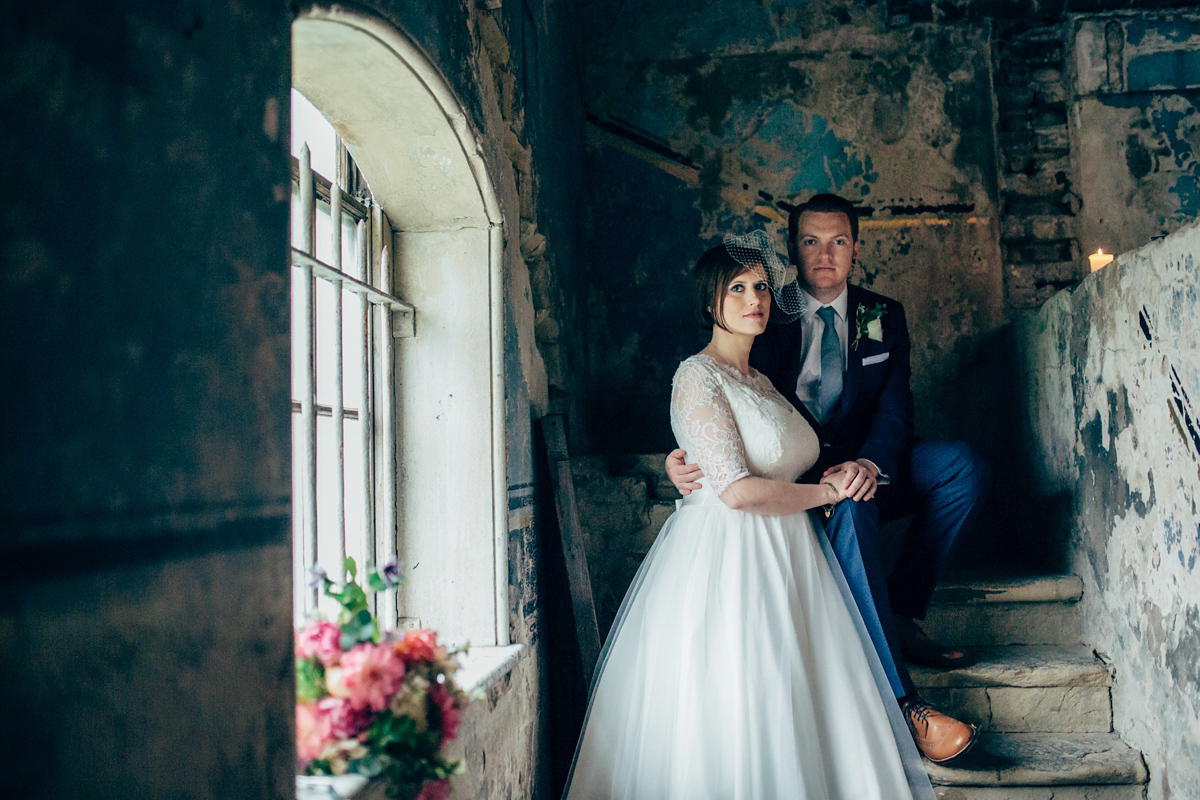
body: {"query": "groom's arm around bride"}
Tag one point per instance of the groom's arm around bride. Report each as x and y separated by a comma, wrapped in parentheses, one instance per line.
(844, 364)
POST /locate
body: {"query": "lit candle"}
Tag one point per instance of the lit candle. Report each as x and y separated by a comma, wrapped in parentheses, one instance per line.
(1099, 258)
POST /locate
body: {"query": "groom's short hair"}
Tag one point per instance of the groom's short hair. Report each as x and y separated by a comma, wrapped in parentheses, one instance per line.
(822, 203)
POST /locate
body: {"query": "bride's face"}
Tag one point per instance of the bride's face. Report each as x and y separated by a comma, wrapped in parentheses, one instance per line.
(746, 305)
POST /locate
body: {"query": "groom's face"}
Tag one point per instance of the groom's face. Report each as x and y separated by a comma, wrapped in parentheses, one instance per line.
(826, 249)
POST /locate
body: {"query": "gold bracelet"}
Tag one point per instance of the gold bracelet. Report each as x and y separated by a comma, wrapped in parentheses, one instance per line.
(828, 509)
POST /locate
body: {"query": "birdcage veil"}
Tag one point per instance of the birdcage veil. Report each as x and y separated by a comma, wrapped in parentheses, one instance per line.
(755, 251)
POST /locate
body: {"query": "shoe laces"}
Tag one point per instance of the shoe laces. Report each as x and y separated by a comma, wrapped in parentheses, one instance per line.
(917, 710)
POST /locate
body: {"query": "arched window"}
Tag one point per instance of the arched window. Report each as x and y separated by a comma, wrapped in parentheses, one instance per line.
(429, 232)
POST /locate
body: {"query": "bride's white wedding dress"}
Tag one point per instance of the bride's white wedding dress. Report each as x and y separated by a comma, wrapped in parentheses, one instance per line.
(736, 668)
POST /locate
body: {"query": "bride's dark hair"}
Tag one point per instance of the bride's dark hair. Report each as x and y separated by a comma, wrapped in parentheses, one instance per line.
(715, 270)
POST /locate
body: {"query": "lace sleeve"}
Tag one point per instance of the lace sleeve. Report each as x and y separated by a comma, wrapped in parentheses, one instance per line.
(701, 412)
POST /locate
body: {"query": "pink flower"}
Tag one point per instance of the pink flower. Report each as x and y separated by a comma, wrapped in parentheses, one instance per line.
(419, 645)
(345, 721)
(312, 731)
(371, 674)
(450, 713)
(320, 639)
(434, 790)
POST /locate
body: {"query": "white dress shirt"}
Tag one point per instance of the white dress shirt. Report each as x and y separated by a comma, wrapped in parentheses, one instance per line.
(810, 365)
(810, 360)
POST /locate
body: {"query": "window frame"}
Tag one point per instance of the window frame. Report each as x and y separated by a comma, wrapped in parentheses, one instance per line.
(384, 317)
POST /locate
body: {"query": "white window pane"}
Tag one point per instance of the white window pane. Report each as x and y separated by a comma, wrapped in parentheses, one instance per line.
(329, 542)
(299, 364)
(297, 232)
(352, 356)
(309, 126)
(300, 574)
(323, 234)
(350, 259)
(327, 336)
(356, 497)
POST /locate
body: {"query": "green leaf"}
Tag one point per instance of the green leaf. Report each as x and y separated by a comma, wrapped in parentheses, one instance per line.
(375, 582)
(351, 567)
(310, 680)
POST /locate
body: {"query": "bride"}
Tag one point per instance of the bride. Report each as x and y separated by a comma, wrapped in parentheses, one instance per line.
(738, 667)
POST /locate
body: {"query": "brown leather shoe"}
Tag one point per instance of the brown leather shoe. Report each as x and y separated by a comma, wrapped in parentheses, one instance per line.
(939, 737)
(917, 648)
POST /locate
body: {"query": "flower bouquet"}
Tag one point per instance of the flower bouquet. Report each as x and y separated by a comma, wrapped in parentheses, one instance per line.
(375, 703)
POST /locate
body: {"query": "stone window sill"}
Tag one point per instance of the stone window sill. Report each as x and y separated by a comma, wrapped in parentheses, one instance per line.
(482, 668)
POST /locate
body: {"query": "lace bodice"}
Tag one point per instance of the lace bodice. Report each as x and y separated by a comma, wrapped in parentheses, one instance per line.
(734, 425)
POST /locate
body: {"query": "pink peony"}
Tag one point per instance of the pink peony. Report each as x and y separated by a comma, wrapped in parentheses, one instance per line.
(434, 790)
(371, 674)
(420, 645)
(345, 721)
(320, 639)
(450, 713)
(312, 731)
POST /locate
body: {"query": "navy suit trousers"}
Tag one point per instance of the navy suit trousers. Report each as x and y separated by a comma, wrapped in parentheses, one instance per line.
(943, 487)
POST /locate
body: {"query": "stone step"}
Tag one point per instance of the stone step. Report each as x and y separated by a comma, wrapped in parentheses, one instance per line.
(1024, 689)
(1014, 611)
(1127, 791)
(1034, 762)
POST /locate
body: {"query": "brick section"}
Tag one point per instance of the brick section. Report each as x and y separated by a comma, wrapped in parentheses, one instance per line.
(1038, 205)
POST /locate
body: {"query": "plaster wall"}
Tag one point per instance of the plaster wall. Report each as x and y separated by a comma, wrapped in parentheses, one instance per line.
(715, 117)
(1111, 376)
(145, 616)
(1135, 128)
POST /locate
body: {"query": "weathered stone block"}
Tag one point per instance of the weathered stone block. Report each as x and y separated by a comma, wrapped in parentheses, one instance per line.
(1005, 623)
(1056, 139)
(1050, 708)
(1041, 252)
(1038, 227)
(1043, 759)
(1040, 184)
(1126, 792)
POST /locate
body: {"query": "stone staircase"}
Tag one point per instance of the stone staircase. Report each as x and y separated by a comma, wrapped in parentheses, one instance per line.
(1040, 698)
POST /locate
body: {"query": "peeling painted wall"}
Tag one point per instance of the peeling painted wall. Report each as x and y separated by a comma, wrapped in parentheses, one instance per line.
(1112, 373)
(145, 606)
(1135, 127)
(713, 117)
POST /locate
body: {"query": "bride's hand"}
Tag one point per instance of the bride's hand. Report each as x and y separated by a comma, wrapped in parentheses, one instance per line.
(836, 481)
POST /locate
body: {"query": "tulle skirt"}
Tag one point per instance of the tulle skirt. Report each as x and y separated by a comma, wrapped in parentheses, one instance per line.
(735, 670)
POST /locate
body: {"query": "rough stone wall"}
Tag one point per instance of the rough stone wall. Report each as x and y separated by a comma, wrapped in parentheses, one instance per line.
(715, 117)
(1135, 126)
(146, 623)
(145, 479)
(1112, 375)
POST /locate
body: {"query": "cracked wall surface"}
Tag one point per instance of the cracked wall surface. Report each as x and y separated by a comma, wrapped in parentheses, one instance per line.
(1112, 371)
(716, 117)
(145, 617)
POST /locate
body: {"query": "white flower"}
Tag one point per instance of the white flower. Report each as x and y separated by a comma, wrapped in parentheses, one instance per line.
(410, 701)
(875, 330)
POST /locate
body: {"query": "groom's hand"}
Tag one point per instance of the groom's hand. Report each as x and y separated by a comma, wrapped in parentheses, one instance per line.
(859, 478)
(684, 476)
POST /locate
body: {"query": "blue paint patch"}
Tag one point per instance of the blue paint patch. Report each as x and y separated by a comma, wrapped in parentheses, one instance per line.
(795, 142)
(714, 32)
(1187, 189)
(1170, 124)
(1176, 31)
(1171, 69)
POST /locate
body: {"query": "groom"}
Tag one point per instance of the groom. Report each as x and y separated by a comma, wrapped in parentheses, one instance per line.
(845, 365)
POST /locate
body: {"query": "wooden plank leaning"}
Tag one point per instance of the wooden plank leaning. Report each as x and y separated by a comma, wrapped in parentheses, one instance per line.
(586, 630)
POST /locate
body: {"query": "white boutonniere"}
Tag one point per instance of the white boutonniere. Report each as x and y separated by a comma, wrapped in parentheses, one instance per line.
(868, 322)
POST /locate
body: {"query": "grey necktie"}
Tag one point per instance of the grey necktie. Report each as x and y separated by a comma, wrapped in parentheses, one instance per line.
(831, 365)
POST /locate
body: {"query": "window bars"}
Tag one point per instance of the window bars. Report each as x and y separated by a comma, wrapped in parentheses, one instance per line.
(352, 235)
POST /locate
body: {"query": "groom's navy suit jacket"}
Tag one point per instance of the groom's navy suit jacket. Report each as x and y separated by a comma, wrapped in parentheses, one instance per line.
(873, 419)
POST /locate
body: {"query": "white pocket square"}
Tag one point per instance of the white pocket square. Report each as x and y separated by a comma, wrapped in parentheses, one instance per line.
(869, 360)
